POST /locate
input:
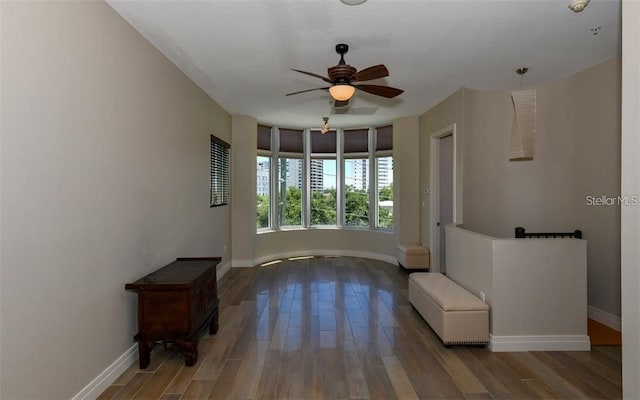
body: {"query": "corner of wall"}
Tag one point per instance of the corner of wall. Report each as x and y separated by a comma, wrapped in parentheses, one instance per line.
(406, 160)
(244, 134)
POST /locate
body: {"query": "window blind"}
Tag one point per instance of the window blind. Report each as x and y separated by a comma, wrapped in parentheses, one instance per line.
(291, 141)
(384, 138)
(323, 143)
(356, 141)
(219, 177)
(264, 137)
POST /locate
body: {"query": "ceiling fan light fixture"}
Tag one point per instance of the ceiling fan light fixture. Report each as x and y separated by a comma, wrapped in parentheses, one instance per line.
(578, 5)
(353, 2)
(325, 125)
(342, 92)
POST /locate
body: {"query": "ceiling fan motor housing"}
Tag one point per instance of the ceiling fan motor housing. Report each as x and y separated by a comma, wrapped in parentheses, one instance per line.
(341, 73)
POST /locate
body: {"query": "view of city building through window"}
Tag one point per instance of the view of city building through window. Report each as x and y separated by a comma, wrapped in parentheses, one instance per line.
(264, 182)
(323, 192)
(290, 192)
(384, 168)
(367, 201)
(356, 190)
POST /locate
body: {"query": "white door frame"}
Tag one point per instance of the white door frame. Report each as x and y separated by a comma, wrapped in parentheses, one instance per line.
(434, 191)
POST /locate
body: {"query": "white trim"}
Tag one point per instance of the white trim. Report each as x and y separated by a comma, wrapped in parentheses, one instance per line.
(117, 368)
(605, 318)
(540, 343)
(223, 270)
(109, 375)
(242, 263)
(434, 190)
(328, 252)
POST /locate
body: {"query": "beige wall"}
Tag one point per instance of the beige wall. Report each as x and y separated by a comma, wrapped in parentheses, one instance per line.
(470, 261)
(577, 154)
(537, 289)
(445, 114)
(105, 168)
(243, 189)
(406, 183)
(540, 287)
(630, 185)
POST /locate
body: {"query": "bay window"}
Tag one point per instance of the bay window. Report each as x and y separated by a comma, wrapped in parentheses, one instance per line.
(343, 178)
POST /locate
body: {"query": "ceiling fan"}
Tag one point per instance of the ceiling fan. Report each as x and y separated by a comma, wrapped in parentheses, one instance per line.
(343, 77)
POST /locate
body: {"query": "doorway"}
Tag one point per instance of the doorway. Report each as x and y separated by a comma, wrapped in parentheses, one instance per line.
(445, 197)
(443, 194)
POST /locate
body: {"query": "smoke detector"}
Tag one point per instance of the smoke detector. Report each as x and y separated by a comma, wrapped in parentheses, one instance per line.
(578, 5)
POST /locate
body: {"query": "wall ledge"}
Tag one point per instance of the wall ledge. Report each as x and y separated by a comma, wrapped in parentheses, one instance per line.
(242, 263)
(540, 343)
(327, 252)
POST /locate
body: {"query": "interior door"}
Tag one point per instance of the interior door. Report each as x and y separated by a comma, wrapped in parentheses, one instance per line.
(445, 185)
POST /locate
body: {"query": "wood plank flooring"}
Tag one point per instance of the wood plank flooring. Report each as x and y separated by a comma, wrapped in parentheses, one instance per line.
(342, 328)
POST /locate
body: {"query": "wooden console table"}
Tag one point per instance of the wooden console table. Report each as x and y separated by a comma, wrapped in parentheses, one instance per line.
(174, 304)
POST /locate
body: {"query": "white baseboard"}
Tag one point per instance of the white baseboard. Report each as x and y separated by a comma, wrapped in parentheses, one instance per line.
(327, 252)
(223, 270)
(605, 318)
(130, 356)
(109, 375)
(540, 343)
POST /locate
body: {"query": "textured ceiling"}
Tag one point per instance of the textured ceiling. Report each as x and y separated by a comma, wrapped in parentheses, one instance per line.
(240, 52)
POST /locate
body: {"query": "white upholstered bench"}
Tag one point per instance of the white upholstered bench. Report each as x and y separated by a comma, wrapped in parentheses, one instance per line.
(413, 257)
(457, 316)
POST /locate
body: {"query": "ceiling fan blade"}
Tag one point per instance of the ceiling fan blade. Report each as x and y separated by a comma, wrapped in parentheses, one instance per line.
(314, 75)
(384, 91)
(308, 90)
(341, 103)
(368, 74)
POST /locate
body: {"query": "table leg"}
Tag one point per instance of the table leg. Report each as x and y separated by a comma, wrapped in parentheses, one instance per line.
(144, 353)
(213, 325)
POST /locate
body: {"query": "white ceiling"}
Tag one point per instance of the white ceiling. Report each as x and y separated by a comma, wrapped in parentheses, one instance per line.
(241, 51)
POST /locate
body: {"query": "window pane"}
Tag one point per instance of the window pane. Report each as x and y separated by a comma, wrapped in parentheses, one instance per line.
(262, 179)
(356, 179)
(290, 192)
(323, 192)
(384, 170)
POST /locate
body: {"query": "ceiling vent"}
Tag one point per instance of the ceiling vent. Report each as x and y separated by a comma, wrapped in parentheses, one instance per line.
(354, 111)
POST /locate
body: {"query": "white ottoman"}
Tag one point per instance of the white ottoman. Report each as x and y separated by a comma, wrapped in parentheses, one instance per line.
(413, 257)
(454, 314)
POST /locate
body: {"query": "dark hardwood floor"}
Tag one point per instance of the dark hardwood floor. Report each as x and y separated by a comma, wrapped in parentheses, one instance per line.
(338, 328)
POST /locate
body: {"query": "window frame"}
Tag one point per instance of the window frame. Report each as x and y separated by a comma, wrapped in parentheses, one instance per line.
(277, 217)
(267, 155)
